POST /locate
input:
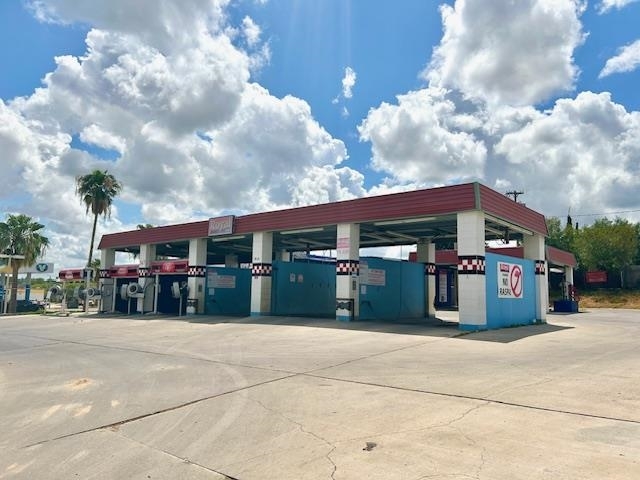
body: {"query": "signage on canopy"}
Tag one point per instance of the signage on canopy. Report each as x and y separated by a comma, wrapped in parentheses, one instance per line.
(510, 280)
(221, 225)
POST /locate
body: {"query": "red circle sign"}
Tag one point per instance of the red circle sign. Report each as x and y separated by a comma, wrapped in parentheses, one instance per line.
(515, 279)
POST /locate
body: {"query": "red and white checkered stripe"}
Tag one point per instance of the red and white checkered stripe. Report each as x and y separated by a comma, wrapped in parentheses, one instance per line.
(196, 271)
(261, 269)
(472, 264)
(347, 267)
(430, 269)
(540, 267)
(144, 272)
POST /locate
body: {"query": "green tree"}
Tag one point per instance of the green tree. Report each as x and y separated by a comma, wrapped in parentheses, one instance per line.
(97, 191)
(563, 238)
(608, 245)
(20, 235)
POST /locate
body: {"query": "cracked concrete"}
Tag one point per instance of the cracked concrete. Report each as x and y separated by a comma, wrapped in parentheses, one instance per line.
(132, 398)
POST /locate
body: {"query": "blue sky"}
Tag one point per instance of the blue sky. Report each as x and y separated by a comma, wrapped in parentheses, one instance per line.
(203, 107)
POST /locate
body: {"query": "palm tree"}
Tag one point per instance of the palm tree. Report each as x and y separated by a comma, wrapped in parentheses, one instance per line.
(97, 191)
(20, 238)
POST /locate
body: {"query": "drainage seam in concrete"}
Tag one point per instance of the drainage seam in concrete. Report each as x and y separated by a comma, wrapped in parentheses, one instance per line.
(377, 354)
(479, 399)
(157, 412)
(177, 457)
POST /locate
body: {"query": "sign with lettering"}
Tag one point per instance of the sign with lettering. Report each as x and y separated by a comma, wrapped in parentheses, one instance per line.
(221, 225)
(510, 281)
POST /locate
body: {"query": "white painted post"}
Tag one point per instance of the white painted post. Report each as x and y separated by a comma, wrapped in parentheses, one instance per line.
(472, 298)
(107, 284)
(145, 278)
(197, 272)
(347, 272)
(261, 270)
(534, 249)
(426, 253)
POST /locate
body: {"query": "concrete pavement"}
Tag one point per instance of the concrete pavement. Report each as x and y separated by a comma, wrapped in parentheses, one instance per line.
(148, 397)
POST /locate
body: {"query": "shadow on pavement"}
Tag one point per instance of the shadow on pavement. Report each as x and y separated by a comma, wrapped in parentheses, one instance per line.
(513, 334)
(428, 327)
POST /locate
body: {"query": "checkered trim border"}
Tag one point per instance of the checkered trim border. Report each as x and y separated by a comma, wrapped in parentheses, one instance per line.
(541, 267)
(144, 272)
(261, 270)
(348, 267)
(196, 271)
(430, 268)
(104, 273)
(471, 264)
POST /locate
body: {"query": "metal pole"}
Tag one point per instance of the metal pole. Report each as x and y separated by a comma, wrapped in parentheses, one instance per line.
(86, 287)
(155, 294)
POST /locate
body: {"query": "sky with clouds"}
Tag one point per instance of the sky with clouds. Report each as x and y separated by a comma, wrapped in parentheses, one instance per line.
(208, 107)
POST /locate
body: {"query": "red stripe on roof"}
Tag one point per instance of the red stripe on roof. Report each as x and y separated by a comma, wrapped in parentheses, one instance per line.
(561, 257)
(504, 208)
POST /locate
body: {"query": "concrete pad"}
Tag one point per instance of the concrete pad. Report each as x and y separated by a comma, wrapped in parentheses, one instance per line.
(258, 343)
(60, 389)
(585, 367)
(340, 430)
(187, 400)
(101, 455)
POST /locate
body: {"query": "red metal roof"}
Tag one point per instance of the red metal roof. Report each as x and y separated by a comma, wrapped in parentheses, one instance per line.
(561, 257)
(503, 207)
(433, 201)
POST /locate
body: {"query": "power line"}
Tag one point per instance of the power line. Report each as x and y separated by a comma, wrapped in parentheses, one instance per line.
(600, 214)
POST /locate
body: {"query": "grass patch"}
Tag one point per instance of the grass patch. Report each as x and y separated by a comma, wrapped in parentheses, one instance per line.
(610, 299)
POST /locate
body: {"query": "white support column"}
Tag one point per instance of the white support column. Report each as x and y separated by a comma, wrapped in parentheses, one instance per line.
(145, 279)
(534, 250)
(197, 273)
(261, 269)
(568, 274)
(231, 261)
(107, 284)
(472, 298)
(347, 272)
(426, 254)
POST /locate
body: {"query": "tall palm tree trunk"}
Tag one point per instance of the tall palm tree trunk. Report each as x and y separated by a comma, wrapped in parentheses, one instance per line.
(93, 236)
(86, 286)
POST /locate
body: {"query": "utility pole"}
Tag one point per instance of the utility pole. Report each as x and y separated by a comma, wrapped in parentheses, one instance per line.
(515, 194)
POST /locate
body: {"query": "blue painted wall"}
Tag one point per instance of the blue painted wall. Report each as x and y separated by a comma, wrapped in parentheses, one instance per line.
(304, 289)
(505, 312)
(228, 291)
(401, 296)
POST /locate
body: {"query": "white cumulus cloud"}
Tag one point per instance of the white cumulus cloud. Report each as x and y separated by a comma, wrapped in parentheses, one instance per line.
(167, 85)
(518, 53)
(606, 5)
(348, 82)
(627, 60)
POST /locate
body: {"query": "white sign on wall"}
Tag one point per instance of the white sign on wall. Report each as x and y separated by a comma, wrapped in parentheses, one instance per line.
(38, 268)
(510, 280)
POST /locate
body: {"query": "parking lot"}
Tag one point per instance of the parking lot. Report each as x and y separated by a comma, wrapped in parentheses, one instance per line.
(107, 397)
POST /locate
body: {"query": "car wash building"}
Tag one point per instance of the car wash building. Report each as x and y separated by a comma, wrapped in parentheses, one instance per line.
(261, 264)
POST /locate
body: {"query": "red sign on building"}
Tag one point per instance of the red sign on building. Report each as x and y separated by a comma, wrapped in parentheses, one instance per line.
(599, 276)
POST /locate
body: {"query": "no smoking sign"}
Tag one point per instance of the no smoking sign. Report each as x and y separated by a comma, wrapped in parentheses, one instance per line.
(510, 281)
